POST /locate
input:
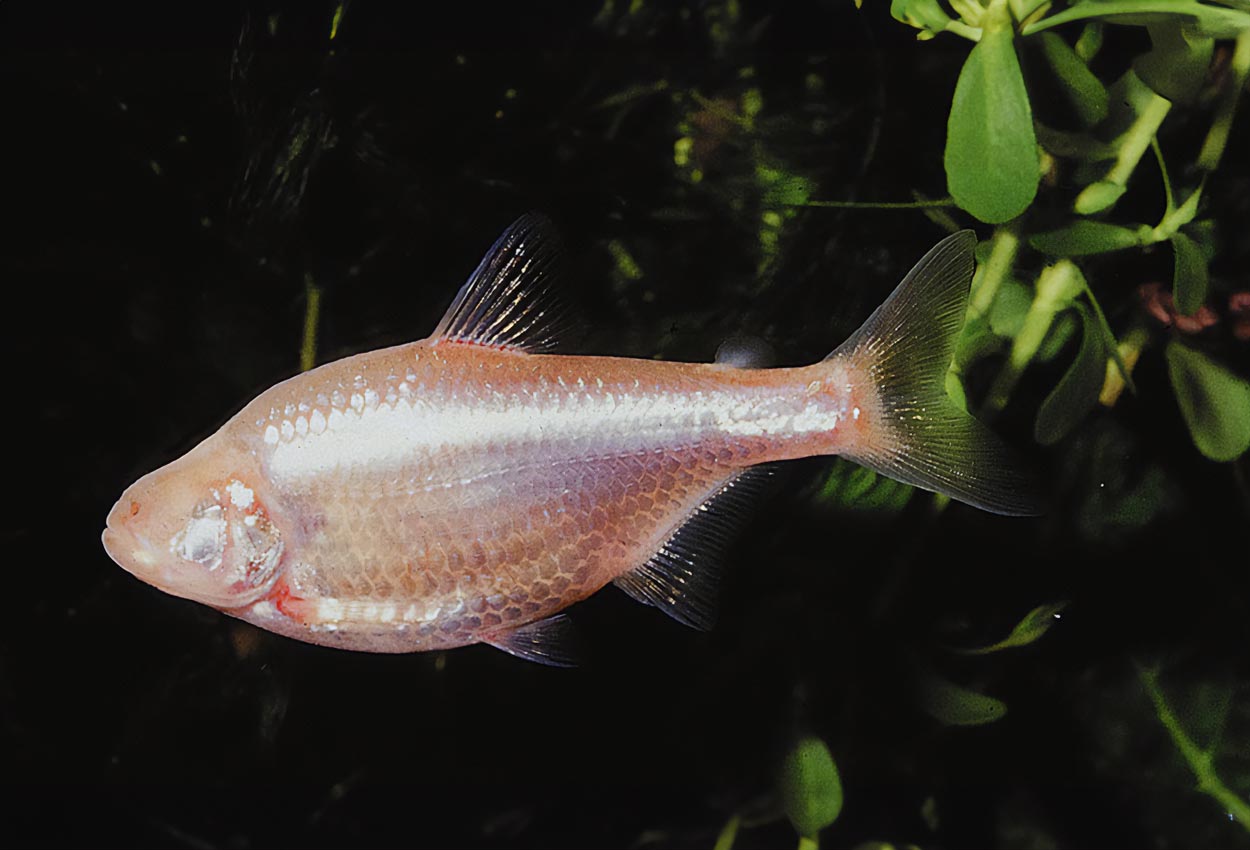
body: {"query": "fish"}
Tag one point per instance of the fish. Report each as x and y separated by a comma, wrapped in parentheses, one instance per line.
(469, 487)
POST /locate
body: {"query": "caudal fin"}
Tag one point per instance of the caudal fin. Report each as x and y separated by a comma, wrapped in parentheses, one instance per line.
(923, 438)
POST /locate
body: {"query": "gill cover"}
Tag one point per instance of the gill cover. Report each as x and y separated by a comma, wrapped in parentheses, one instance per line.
(197, 532)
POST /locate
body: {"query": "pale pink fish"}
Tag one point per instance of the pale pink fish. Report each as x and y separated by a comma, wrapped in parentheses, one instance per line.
(467, 489)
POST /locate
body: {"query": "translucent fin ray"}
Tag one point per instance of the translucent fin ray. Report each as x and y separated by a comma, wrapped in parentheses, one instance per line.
(508, 301)
(681, 578)
(924, 438)
(550, 641)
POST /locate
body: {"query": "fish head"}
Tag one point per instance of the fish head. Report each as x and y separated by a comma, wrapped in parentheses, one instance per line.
(197, 528)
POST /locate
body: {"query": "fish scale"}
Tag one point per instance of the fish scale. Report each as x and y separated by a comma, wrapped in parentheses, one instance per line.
(558, 511)
(467, 488)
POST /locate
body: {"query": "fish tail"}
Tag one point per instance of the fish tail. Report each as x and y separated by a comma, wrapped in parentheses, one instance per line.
(913, 431)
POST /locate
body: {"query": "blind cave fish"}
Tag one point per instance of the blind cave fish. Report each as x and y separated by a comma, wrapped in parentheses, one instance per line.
(469, 487)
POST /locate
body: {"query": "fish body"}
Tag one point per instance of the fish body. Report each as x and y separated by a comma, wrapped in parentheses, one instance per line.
(466, 488)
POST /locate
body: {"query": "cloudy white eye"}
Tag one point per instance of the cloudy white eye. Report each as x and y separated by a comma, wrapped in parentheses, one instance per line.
(203, 538)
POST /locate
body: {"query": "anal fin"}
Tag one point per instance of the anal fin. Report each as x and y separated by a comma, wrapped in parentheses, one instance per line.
(550, 641)
(681, 577)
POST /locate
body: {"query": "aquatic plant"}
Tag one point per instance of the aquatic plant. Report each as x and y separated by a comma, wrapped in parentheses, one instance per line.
(1046, 156)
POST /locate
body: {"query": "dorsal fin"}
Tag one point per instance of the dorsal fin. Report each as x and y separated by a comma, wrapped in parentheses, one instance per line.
(507, 302)
(680, 579)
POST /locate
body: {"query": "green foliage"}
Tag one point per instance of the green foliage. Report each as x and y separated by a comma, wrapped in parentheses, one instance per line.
(1083, 238)
(1085, 91)
(1057, 276)
(1177, 62)
(955, 705)
(992, 170)
(992, 167)
(1098, 196)
(1189, 279)
(850, 486)
(810, 788)
(1197, 733)
(1030, 628)
(1010, 307)
(1077, 392)
(1215, 402)
(1199, 18)
(1061, 248)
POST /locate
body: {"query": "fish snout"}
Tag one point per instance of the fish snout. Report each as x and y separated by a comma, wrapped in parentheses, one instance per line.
(129, 549)
(122, 512)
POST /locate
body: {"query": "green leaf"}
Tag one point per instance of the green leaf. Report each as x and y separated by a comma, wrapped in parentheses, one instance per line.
(811, 790)
(1061, 330)
(782, 189)
(1111, 344)
(1089, 42)
(728, 834)
(992, 165)
(1081, 238)
(1097, 197)
(953, 705)
(1188, 208)
(976, 340)
(1074, 145)
(1214, 402)
(1084, 91)
(1035, 624)
(1203, 233)
(1177, 63)
(955, 389)
(1077, 391)
(1189, 278)
(921, 14)
(853, 487)
(1200, 18)
(1011, 304)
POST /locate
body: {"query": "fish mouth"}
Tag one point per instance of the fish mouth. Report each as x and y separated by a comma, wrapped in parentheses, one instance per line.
(132, 555)
(130, 550)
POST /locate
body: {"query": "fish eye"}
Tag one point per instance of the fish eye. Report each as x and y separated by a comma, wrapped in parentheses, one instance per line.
(134, 509)
(203, 539)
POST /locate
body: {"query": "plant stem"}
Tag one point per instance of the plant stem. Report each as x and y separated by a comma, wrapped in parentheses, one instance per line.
(1133, 145)
(312, 311)
(1057, 286)
(728, 834)
(1217, 137)
(1004, 245)
(1199, 760)
(961, 29)
(809, 842)
(1169, 201)
(1136, 141)
(1130, 349)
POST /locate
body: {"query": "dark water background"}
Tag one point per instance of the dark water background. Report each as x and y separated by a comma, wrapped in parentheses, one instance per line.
(175, 171)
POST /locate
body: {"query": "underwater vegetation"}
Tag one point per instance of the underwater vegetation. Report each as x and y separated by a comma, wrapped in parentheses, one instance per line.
(214, 204)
